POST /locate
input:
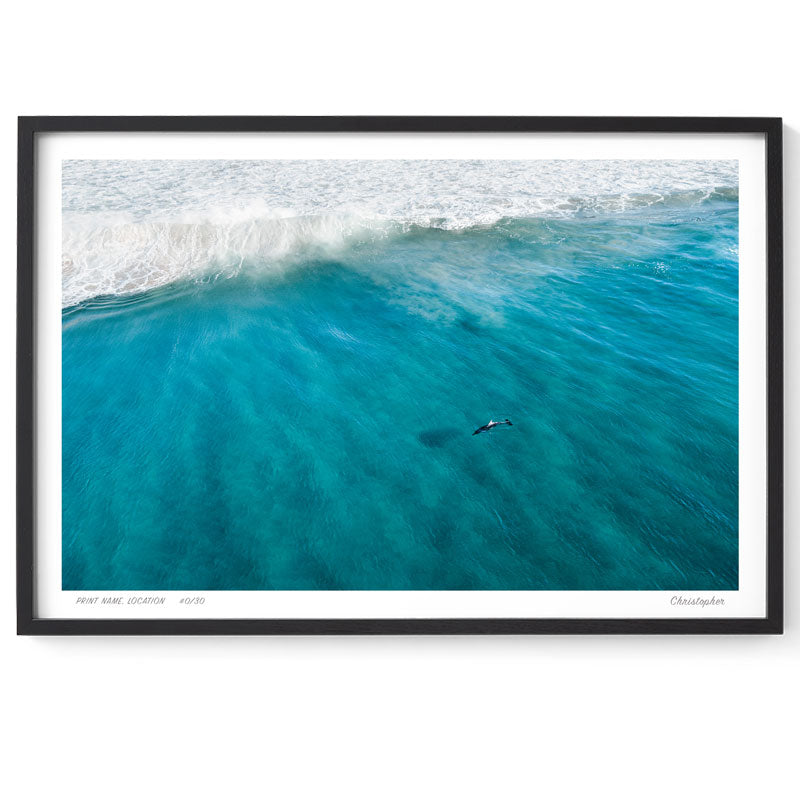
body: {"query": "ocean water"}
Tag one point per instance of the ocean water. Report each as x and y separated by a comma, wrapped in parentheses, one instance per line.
(272, 372)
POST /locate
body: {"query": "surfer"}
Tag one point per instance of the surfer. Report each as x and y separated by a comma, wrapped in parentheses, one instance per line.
(492, 424)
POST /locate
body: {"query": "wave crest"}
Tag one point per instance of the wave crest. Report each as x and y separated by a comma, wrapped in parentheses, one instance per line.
(136, 256)
(118, 256)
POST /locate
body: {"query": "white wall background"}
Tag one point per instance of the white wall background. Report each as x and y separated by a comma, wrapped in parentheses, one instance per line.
(382, 718)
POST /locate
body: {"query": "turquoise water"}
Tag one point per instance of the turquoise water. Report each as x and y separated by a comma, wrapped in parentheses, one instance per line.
(311, 428)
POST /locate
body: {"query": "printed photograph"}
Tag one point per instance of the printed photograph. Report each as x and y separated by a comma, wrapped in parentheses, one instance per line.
(400, 375)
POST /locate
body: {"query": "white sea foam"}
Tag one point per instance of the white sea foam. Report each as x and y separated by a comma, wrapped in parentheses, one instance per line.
(133, 225)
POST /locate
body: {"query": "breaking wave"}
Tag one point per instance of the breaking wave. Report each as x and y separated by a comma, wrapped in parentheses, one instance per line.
(132, 226)
(133, 257)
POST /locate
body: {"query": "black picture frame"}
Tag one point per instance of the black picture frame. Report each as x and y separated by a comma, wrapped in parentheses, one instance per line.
(31, 127)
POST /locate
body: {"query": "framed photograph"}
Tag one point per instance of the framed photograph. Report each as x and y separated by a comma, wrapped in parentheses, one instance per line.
(399, 375)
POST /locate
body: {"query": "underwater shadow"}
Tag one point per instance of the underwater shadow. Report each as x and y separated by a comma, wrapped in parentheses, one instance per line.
(438, 437)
